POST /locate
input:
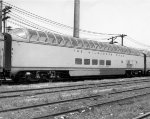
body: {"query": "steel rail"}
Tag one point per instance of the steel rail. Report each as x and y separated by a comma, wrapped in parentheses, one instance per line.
(61, 89)
(76, 99)
(143, 116)
(52, 116)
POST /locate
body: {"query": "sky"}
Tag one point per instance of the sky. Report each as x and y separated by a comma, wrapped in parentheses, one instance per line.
(130, 17)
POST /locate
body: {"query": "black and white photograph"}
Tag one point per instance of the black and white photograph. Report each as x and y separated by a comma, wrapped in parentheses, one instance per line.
(74, 59)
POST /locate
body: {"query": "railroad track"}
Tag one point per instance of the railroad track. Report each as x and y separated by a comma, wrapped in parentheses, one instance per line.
(48, 90)
(143, 116)
(116, 94)
(103, 102)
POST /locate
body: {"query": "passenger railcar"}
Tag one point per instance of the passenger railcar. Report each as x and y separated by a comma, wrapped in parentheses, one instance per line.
(35, 55)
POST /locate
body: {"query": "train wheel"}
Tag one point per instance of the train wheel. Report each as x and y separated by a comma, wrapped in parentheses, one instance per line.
(133, 74)
(148, 73)
(140, 73)
(44, 76)
(31, 77)
(50, 80)
(128, 75)
(15, 79)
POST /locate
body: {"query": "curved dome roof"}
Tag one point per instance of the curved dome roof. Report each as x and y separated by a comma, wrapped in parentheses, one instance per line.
(30, 35)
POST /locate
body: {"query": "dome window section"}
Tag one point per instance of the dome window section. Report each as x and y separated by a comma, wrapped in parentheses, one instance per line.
(20, 33)
(96, 45)
(92, 46)
(105, 47)
(51, 38)
(60, 40)
(74, 42)
(131, 51)
(80, 43)
(67, 41)
(86, 61)
(114, 48)
(139, 53)
(33, 35)
(110, 48)
(136, 52)
(118, 49)
(42, 36)
(54, 42)
(122, 49)
(86, 44)
(127, 51)
(101, 46)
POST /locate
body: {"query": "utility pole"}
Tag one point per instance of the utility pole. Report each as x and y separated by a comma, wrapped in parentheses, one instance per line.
(112, 40)
(76, 18)
(5, 11)
(1, 7)
(122, 36)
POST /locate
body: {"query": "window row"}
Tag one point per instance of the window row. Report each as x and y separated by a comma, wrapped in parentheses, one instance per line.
(79, 61)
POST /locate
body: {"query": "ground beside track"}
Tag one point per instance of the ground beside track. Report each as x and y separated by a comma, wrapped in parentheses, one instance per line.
(128, 109)
(121, 110)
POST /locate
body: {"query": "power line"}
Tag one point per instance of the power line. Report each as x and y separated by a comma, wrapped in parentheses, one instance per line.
(16, 23)
(26, 22)
(137, 42)
(21, 17)
(34, 15)
(32, 25)
(29, 14)
(12, 13)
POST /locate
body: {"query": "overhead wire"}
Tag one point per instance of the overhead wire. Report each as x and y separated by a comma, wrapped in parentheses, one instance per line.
(26, 22)
(16, 23)
(18, 16)
(29, 20)
(34, 15)
(29, 14)
(31, 24)
(137, 42)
